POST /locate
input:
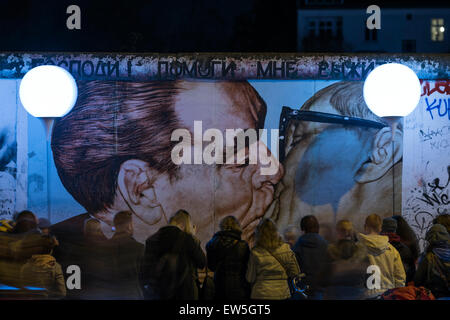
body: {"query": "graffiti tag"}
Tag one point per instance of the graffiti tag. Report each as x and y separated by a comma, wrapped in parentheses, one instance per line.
(427, 202)
(442, 107)
(442, 86)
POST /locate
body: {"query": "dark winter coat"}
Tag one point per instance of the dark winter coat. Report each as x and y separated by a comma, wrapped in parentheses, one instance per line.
(16, 249)
(311, 253)
(96, 270)
(171, 260)
(127, 256)
(227, 256)
(346, 274)
(406, 255)
(71, 249)
(434, 269)
(9, 267)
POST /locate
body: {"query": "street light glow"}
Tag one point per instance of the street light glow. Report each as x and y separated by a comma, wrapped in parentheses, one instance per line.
(48, 92)
(392, 90)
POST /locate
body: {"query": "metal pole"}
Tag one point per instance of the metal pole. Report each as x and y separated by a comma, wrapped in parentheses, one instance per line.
(48, 182)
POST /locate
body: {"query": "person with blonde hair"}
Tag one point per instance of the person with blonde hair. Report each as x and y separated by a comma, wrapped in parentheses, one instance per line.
(271, 264)
(344, 230)
(171, 259)
(227, 255)
(345, 274)
(383, 255)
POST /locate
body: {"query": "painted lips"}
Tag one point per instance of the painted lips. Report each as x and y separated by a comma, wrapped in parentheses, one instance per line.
(263, 198)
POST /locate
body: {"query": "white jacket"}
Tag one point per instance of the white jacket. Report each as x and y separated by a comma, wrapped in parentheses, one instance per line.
(382, 254)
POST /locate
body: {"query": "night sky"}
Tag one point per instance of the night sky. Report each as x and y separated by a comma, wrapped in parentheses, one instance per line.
(159, 26)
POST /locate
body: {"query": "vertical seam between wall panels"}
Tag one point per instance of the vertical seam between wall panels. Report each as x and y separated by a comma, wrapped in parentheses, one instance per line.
(115, 118)
(15, 138)
(214, 171)
(393, 171)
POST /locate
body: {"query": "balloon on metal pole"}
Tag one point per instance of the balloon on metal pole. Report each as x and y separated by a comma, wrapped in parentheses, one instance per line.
(48, 92)
(392, 91)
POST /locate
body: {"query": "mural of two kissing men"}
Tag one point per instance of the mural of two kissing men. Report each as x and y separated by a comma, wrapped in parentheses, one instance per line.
(113, 153)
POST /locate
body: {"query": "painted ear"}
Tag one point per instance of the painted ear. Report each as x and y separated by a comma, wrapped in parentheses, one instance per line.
(383, 156)
(135, 183)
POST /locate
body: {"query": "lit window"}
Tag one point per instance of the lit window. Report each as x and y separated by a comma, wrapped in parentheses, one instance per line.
(437, 29)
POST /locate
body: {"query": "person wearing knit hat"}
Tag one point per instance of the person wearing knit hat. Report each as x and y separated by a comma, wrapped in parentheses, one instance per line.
(389, 228)
(389, 225)
(44, 226)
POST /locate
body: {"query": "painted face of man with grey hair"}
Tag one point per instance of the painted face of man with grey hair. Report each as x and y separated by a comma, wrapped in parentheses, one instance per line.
(339, 161)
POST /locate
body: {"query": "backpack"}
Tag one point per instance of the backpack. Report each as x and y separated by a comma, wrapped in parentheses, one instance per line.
(408, 293)
(438, 270)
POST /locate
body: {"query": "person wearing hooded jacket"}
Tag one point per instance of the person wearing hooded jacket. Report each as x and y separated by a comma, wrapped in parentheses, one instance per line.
(382, 254)
(42, 271)
(227, 255)
(19, 244)
(434, 269)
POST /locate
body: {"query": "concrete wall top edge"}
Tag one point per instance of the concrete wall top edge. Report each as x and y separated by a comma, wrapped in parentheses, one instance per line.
(221, 66)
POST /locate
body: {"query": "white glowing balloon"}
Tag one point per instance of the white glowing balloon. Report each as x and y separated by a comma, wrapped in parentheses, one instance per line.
(48, 92)
(392, 90)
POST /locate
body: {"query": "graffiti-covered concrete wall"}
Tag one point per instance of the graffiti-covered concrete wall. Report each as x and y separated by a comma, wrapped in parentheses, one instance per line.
(426, 165)
(13, 148)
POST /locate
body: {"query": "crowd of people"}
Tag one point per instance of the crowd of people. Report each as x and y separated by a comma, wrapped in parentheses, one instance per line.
(26, 259)
(173, 264)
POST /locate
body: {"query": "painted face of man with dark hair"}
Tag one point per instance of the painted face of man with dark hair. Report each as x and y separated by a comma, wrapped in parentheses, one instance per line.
(211, 192)
(334, 171)
(208, 192)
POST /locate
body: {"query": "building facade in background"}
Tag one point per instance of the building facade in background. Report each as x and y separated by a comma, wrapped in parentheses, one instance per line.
(340, 26)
